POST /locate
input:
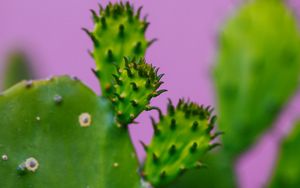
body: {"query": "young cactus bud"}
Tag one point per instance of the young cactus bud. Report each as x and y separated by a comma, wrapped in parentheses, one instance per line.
(181, 138)
(136, 83)
(118, 32)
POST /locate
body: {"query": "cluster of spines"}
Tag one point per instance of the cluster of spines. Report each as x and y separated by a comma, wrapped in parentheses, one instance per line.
(119, 32)
(135, 84)
(181, 138)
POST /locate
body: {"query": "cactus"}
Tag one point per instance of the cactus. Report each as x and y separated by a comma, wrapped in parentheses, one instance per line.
(287, 171)
(136, 83)
(49, 134)
(119, 32)
(17, 69)
(181, 139)
(257, 71)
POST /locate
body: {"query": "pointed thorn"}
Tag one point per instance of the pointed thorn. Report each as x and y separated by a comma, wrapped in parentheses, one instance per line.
(193, 147)
(138, 14)
(134, 86)
(134, 103)
(96, 73)
(144, 145)
(195, 126)
(212, 146)
(216, 134)
(173, 124)
(121, 30)
(95, 16)
(171, 108)
(151, 42)
(163, 174)
(172, 149)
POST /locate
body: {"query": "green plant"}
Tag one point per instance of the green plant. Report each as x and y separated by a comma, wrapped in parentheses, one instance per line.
(287, 171)
(67, 136)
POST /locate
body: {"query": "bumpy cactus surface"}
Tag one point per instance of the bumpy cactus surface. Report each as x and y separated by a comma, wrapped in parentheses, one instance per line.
(257, 71)
(49, 134)
(17, 68)
(119, 32)
(287, 171)
(182, 137)
(136, 83)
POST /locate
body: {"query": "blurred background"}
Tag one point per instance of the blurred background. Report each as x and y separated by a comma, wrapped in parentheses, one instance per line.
(48, 35)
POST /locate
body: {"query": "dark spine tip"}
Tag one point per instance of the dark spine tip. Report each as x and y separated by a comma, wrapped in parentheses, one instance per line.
(172, 149)
(138, 48)
(96, 73)
(155, 158)
(162, 175)
(95, 16)
(121, 31)
(134, 103)
(110, 55)
(194, 147)
(171, 108)
(151, 42)
(214, 145)
(173, 124)
(195, 126)
(134, 86)
(144, 145)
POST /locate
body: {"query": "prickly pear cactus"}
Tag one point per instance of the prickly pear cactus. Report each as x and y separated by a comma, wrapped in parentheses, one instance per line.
(17, 68)
(181, 139)
(119, 32)
(287, 170)
(49, 134)
(257, 70)
(58, 133)
(136, 83)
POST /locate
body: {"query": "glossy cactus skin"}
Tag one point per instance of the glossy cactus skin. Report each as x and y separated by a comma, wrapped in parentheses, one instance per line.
(136, 83)
(119, 32)
(257, 71)
(181, 139)
(41, 120)
(287, 170)
(17, 68)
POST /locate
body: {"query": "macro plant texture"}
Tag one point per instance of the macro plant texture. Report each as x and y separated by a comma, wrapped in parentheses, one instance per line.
(57, 132)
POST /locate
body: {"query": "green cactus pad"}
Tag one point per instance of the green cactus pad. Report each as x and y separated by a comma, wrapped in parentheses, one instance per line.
(287, 171)
(58, 133)
(119, 31)
(136, 83)
(181, 139)
(257, 71)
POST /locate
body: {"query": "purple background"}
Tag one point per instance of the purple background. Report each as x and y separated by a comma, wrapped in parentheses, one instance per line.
(187, 32)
